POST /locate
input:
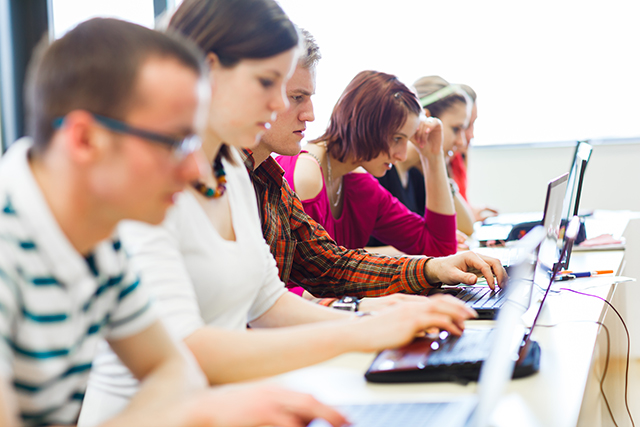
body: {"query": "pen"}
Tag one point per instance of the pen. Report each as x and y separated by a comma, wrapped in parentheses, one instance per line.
(564, 277)
(587, 273)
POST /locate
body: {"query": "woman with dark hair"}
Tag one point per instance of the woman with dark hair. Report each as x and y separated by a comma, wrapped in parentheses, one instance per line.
(208, 265)
(455, 106)
(369, 130)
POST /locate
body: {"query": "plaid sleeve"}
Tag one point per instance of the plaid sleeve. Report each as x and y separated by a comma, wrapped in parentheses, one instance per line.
(327, 270)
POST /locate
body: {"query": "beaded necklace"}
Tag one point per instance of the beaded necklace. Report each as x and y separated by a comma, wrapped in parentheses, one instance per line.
(213, 193)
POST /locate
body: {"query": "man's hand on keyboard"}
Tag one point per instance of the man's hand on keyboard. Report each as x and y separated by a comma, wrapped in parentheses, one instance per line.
(465, 268)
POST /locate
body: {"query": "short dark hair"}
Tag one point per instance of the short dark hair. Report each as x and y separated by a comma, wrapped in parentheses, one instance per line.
(311, 52)
(236, 29)
(95, 67)
(370, 110)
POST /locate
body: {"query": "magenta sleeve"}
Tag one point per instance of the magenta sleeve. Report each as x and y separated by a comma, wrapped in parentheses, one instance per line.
(432, 235)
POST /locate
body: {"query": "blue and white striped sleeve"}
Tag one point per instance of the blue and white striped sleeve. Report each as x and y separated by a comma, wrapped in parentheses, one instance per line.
(8, 305)
(134, 312)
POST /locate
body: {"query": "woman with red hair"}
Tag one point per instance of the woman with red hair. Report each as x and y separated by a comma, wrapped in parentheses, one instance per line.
(370, 126)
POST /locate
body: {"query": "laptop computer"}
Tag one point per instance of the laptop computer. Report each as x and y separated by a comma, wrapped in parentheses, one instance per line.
(452, 358)
(500, 229)
(571, 206)
(465, 411)
(486, 301)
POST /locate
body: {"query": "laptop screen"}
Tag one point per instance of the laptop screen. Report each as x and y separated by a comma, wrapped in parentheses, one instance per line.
(544, 277)
(574, 189)
(550, 254)
(576, 176)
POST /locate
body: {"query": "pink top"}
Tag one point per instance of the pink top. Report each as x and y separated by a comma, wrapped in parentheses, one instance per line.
(370, 210)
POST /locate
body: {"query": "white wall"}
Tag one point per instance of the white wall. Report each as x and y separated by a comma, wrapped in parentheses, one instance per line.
(513, 178)
(541, 69)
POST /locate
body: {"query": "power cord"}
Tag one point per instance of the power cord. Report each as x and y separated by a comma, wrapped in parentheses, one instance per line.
(626, 377)
(606, 361)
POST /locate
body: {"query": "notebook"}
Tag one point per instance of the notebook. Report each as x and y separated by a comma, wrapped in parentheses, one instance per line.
(496, 371)
(487, 302)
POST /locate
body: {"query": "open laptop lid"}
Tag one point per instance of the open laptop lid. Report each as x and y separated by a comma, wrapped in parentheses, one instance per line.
(574, 188)
(497, 369)
(552, 219)
(543, 278)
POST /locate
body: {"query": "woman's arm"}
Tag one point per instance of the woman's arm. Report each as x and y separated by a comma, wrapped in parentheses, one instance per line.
(464, 214)
(431, 235)
(229, 356)
(428, 140)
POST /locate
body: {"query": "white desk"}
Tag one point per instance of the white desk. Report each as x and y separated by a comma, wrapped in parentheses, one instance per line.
(553, 397)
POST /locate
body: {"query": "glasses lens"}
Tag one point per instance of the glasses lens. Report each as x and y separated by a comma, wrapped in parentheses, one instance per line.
(188, 145)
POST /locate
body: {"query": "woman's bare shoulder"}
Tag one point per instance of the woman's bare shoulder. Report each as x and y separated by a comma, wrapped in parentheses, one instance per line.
(307, 177)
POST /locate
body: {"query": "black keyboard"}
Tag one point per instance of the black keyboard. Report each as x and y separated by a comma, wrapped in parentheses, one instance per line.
(473, 346)
(482, 297)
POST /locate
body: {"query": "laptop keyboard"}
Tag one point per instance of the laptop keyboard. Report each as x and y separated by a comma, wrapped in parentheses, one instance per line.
(473, 346)
(399, 414)
(482, 297)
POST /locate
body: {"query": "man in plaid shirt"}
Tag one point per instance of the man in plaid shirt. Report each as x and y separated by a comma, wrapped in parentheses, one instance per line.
(304, 252)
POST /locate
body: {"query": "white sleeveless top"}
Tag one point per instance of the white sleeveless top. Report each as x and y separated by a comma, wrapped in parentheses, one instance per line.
(196, 277)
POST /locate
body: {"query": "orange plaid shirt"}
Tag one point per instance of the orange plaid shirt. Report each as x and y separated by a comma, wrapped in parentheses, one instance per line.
(307, 256)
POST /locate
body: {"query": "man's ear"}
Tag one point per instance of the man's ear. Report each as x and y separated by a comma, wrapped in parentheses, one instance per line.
(213, 61)
(80, 137)
(427, 112)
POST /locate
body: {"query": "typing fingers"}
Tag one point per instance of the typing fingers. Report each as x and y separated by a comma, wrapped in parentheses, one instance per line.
(453, 307)
(303, 408)
(479, 264)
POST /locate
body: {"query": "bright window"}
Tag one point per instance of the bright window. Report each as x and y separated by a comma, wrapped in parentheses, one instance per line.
(544, 71)
(69, 13)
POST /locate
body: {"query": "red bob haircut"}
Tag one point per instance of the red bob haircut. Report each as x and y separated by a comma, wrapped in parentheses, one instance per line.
(371, 109)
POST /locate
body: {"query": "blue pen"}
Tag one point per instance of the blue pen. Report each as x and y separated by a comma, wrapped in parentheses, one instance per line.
(564, 277)
(589, 273)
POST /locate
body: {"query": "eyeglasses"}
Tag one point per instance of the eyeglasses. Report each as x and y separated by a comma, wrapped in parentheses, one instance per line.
(181, 148)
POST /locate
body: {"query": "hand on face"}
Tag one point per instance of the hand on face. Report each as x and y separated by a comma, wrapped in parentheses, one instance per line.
(428, 139)
(465, 268)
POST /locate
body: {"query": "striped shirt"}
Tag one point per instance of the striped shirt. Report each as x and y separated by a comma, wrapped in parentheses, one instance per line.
(55, 304)
(309, 257)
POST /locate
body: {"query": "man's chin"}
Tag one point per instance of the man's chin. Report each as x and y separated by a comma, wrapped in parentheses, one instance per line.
(289, 149)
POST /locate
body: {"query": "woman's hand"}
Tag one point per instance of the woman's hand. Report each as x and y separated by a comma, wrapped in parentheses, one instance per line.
(381, 303)
(429, 138)
(462, 240)
(253, 406)
(483, 212)
(402, 322)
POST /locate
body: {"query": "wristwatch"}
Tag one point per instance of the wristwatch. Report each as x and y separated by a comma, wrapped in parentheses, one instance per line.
(347, 304)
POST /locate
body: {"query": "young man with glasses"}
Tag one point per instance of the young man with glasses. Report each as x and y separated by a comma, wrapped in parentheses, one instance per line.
(113, 108)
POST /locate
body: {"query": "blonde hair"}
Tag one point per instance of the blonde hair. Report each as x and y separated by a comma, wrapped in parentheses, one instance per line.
(438, 95)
